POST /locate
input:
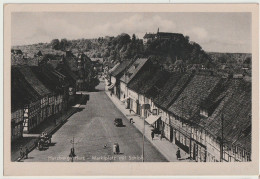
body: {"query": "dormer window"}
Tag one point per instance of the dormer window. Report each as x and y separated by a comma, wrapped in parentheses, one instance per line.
(204, 112)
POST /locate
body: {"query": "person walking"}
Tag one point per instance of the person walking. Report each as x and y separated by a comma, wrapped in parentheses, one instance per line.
(161, 137)
(21, 153)
(26, 152)
(178, 154)
(152, 135)
(131, 120)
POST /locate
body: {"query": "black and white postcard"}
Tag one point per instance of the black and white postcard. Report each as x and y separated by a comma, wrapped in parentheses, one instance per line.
(133, 89)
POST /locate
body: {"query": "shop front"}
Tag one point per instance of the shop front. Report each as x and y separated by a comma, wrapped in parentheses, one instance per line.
(156, 122)
(198, 151)
(134, 101)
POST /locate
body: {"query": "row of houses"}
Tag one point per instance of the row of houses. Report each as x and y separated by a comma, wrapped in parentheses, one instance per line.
(39, 93)
(206, 115)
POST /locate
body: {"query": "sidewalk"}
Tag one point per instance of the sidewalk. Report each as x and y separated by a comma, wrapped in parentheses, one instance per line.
(47, 126)
(167, 149)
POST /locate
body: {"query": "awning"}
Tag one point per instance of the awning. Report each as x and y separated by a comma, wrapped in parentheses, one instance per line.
(111, 86)
(123, 100)
(152, 119)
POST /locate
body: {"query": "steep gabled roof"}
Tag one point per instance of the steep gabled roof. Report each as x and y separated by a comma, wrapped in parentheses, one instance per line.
(50, 78)
(36, 84)
(133, 70)
(172, 89)
(21, 91)
(198, 89)
(65, 70)
(117, 72)
(149, 82)
(236, 110)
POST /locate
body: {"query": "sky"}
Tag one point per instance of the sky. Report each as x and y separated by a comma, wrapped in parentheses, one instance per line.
(215, 32)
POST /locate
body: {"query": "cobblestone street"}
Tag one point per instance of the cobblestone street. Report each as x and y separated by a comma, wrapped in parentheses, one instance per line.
(94, 134)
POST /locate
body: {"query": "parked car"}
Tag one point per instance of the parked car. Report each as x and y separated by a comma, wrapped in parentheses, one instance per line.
(118, 122)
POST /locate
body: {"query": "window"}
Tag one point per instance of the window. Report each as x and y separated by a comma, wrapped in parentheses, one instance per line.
(247, 157)
(154, 111)
(233, 150)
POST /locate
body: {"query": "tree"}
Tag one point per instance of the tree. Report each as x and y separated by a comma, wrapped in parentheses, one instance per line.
(55, 43)
(63, 44)
(247, 60)
(133, 38)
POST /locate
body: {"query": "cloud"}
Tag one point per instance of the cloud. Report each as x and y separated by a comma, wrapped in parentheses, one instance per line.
(29, 28)
(134, 24)
(198, 34)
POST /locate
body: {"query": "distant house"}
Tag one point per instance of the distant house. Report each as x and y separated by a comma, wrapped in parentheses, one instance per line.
(97, 64)
(127, 95)
(148, 38)
(57, 84)
(148, 84)
(115, 74)
(64, 68)
(16, 52)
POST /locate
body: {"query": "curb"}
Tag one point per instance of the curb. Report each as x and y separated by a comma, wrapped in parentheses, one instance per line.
(51, 131)
(140, 131)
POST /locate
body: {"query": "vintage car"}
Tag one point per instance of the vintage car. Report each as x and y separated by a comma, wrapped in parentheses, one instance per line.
(43, 142)
(118, 122)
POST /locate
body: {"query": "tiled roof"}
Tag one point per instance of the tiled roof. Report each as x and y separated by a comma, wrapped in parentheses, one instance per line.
(198, 89)
(114, 67)
(169, 34)
(146, 36)
(172, 89)
(21, 91)
(64, 68)
(149, 82)
(236, 110)
(50, 78)
(117, 72)
(72, 62)
(54, 63)
(30, 77)
(133, 70)
(21, 60)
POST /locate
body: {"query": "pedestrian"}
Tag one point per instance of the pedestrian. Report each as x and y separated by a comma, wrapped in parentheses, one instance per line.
(161, 136)
(21, 153)
(178, 154)
(152, 135)
(131, 120)
(26, 152)
(130, 111)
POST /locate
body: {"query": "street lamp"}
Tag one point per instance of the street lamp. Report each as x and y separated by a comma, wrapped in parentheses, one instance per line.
(145, 107)
(72, 150)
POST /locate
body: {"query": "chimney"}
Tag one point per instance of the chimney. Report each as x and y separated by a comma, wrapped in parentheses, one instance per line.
(68, 53)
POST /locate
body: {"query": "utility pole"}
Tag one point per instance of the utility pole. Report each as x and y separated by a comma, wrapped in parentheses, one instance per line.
(222, 138)
(145, 107)
(143, 141)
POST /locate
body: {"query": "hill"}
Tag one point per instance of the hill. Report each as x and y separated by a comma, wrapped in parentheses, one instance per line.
(170, 53)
